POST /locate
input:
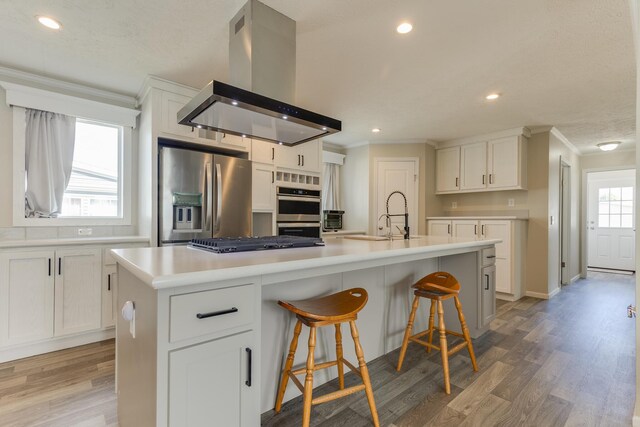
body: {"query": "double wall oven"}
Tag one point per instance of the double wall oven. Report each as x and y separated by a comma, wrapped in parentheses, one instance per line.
(298, 212)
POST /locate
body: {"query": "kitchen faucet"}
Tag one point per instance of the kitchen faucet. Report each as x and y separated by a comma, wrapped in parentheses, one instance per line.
(406, 213)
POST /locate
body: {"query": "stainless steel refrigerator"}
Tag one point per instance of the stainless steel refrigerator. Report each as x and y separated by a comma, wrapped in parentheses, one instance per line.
(202, 195)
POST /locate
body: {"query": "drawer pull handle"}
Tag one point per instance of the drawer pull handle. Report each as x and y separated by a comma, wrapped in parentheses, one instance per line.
(491, 256)
(216, 313)
(486, 288)
(248, 381)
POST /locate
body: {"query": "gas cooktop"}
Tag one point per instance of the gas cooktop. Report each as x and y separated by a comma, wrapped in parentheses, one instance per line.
(243, 244)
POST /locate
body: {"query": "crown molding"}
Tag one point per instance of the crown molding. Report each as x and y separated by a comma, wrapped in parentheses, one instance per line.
(35, 81)
(555, 132)
(524, 131)
(154, 82)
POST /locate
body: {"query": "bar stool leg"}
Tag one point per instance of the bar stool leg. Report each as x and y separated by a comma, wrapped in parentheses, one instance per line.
(339, 356)
(287, 366)
(407, 332)
(443, 348)
(432, 312)
(308, 381)
(465, 332)
(364, 372)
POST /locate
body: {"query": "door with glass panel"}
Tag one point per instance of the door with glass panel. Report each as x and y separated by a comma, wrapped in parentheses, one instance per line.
(610, 222)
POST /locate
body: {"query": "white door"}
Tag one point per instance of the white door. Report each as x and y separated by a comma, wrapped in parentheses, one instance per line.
(473, 166)
(397, 175)
(171, 104)
(214, 383)
(448, 169)
(78, 304)
(611, 233)
(26, 296)
(465, 228)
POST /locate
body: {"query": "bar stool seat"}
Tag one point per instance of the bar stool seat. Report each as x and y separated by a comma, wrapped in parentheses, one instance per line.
(333, 309)
(438, 287)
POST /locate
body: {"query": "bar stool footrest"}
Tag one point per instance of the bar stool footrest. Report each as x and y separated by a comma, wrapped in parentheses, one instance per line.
(337, 394)
(457, 348)
(424, 343)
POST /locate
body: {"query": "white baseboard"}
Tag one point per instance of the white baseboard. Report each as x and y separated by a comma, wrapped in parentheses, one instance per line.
(635, 421)
(541, 295)
(506, 297)
(575, 278)
(54, 344)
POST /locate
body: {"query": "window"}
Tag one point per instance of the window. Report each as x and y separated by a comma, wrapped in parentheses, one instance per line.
(615, 207)
(94, 186)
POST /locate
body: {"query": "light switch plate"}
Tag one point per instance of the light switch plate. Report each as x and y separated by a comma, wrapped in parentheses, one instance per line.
(85, 231)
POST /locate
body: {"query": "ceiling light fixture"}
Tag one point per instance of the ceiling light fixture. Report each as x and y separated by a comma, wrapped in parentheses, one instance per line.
(375, 130)
(404, 28)
(492, 96)
(608, 146)
(234, 102)
(49, 22)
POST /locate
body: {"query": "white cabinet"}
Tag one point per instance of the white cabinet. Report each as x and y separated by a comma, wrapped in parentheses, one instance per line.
(487, 296)
(77, 291)
(506, 163)
(47, 294)
(214, 383)
(171, 103)
(448, 169)
(26, 296)
(263, 152)
(305, 156)
(263, 189)
(233, 142)
(509, 254)
(109, 295)
(499, 164)
(473, 166)
(439, 227)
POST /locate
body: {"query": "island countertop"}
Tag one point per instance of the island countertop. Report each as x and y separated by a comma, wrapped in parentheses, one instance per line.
(174, 266)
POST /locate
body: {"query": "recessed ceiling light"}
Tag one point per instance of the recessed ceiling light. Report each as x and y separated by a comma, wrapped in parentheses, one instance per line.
(404, 28)
(244, 136)
(49, 22)
(375, 130)
(492, 96)
(608, 146)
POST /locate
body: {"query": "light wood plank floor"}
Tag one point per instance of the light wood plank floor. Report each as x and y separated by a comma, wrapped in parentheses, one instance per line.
(569, 361)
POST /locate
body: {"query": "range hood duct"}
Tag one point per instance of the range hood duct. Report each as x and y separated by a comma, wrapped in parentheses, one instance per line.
(262, 60)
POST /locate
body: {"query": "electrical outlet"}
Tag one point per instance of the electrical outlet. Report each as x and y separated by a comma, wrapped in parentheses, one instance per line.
(85, 231)
(454, 205)
(511, 202)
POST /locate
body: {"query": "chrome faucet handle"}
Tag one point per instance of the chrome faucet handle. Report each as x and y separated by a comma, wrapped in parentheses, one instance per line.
(403, 232)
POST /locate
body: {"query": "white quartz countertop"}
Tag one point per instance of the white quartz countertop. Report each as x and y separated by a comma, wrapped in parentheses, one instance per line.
(336, 233)
(72, 241)
(174, 266)
(471, 217)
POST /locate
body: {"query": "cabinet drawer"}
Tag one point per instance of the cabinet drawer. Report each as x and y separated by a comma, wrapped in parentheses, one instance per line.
(488, 256)
(209, 312)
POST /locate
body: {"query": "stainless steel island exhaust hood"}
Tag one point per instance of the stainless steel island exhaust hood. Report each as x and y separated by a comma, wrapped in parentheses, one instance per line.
(262, 68)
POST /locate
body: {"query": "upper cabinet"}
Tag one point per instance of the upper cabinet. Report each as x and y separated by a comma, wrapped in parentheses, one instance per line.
(171, 103)
(263, 152)
(496, 164)
(306, 156)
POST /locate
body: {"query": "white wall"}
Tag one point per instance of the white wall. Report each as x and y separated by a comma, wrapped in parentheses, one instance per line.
(354, 193)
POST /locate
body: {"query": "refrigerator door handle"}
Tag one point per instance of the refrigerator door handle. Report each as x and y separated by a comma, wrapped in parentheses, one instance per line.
(218, 196)
(209, 194)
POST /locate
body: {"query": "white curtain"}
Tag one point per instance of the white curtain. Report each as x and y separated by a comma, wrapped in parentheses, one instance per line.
(331, 187)
(50, 139)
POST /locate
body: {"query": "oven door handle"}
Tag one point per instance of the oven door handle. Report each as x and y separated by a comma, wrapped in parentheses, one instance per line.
(299, 199)
(298, 224)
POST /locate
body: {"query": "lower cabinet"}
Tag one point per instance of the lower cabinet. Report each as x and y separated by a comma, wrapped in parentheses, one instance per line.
(109, 295)
(488, 300)
(213, 383)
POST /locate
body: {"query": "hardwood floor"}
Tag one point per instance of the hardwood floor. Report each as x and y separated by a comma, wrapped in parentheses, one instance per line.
(569, 361)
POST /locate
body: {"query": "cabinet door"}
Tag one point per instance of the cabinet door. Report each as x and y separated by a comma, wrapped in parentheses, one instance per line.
(288, 157)
(26, 296)
(310, 152)
(263, 190)
(495, 229)
(504, 162)
(473, 166)
(465, 228)
(211, 383)
(439, 227)
(234, 142)
(448, 169)
(171, 104)
(78, 304)
(109, 295)
(488, 295)
(263, 152)
(504, 282)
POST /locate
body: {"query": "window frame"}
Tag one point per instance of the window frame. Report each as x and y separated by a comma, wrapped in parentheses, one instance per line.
(125, 153)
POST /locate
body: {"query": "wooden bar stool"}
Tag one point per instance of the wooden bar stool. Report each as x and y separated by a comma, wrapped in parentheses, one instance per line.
(330, 310)
(438, 287)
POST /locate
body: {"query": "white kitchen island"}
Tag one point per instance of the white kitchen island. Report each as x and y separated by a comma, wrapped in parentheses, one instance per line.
(223, 368)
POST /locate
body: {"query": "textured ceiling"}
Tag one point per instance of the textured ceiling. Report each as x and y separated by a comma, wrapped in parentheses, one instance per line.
(568, 63)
